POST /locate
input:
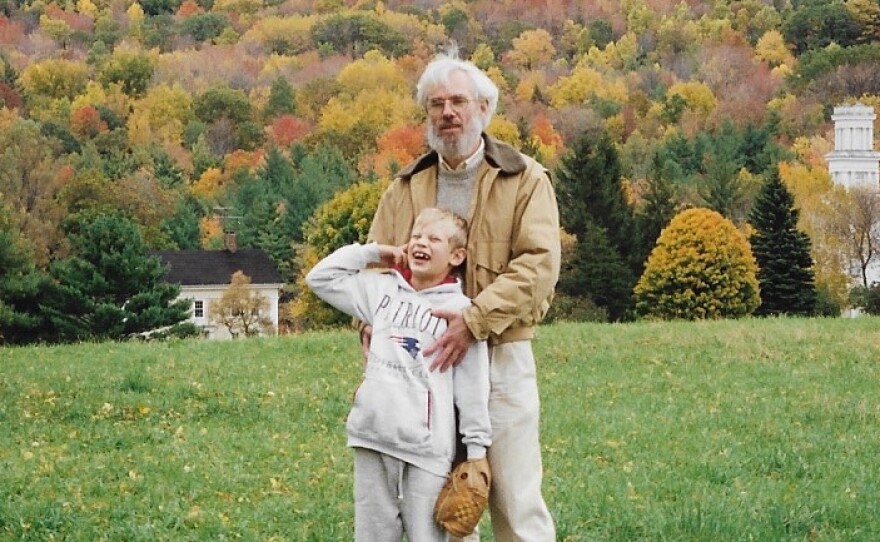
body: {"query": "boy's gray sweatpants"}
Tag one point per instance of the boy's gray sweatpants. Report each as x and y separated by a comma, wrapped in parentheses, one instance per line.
(393, 498)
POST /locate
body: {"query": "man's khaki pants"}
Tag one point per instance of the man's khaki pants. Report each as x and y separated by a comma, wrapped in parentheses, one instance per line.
(517, 508)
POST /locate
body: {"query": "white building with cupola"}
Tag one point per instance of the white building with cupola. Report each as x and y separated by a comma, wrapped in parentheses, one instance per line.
(854, 163)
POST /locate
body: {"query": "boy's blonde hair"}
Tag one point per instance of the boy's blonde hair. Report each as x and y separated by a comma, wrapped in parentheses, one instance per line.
(431, 215)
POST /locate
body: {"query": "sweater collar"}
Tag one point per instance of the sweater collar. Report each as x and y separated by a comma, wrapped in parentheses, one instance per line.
(497, 153)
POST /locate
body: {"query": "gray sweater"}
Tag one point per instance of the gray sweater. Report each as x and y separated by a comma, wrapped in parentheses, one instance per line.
(401, 408)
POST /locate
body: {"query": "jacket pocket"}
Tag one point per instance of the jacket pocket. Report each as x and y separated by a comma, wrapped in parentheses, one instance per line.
(490, 260)
(392, 413)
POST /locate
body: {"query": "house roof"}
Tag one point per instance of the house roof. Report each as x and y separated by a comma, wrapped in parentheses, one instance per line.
(208, 267)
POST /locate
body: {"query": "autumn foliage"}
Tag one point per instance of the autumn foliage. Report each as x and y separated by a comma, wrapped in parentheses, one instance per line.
(702, 268)
(241, 309)
(165, 110)
(344, 219)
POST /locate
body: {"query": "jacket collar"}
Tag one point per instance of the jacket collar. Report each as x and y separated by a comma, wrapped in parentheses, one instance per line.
(499, 154)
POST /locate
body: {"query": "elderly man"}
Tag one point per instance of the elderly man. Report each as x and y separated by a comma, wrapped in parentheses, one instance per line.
(510, 273)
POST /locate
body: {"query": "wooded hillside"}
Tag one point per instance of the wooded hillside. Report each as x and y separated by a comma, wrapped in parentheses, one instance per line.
(164, 111)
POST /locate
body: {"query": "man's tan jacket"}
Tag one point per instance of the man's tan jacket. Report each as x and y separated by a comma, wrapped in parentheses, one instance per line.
(513, 252)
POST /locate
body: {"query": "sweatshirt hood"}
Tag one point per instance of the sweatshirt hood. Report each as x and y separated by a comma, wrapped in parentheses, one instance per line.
(449, 284)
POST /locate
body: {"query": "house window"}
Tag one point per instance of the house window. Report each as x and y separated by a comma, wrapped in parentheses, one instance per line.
(199, 308)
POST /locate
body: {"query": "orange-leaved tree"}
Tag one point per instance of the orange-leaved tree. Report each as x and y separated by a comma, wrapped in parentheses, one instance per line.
(701, 268)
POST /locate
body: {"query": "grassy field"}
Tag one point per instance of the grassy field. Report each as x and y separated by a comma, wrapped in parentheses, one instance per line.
(761, 430)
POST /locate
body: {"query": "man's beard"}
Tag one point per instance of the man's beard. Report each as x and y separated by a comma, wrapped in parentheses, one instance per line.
(455, 146)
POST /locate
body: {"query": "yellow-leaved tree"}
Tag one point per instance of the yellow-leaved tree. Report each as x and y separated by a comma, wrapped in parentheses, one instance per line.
(701, 268)
(504, 130)
(374, 97)
(772, 49)
(241, 309)
(344, 219)
(532, 49)
(696, 96)
(282, 35)
(585, 83)
(161, 114)
(55, 78)
(810, 183)
(209, 183)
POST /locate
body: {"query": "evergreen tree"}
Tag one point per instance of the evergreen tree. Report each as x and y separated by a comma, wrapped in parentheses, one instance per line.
(166, 171)
(589, 191)
(660, 205)
(592, 206)
(182, 228)
(785, 267)
(758, 148)
(110, 287)
(321, 174)
(20, 287)
(281, 99)
(599, 273)
(275, 203)
(262, 206)
(722, 189)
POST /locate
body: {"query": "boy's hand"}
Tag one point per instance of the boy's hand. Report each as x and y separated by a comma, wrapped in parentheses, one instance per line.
(393, 256)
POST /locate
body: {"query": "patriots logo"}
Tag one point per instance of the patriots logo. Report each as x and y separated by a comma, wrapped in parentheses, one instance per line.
(410, 344)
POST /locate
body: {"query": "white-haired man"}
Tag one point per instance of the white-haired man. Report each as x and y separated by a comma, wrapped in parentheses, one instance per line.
(510, 273)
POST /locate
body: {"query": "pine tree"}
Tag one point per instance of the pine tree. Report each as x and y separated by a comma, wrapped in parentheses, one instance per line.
(660, 205)
(182, 227)
(110, 287)
(592, 206)
(722, 189)
(260, 203)
(281, 99)
(20, 286)
(785, 267)
(599, 273)
(588, 190)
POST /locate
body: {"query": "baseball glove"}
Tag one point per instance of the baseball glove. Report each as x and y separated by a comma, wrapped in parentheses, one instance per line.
(463, 497)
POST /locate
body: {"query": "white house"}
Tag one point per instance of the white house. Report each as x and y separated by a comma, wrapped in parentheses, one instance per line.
(204, 275)
(854, 163)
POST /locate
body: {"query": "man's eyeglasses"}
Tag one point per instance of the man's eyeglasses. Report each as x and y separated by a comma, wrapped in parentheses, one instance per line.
(458, 103)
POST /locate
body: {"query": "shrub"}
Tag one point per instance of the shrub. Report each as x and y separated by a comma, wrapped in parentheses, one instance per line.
(567, 308)
(701, 268)
(867, 299)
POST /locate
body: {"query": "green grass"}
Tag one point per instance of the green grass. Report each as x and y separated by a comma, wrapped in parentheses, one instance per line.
(760, 430)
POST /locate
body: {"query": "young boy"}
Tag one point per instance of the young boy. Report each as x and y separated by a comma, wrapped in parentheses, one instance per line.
(402, 424)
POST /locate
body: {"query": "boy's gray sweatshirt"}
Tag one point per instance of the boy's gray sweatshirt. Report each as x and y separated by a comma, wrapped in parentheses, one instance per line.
(401, 408)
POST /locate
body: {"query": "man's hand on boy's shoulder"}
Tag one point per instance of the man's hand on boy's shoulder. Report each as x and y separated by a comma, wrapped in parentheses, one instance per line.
(452, 346)
(391, 256)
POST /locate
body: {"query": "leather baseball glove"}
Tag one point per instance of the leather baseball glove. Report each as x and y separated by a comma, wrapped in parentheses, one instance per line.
(463, 497)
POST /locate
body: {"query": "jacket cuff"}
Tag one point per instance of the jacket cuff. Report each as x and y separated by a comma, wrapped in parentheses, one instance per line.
(472, 320)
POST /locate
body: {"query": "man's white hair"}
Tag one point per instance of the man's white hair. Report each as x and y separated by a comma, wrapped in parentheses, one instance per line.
(438, 71)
